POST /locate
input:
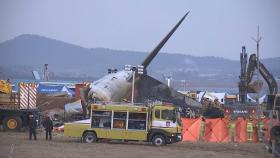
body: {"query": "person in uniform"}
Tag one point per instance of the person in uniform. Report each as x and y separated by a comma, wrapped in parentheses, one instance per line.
(202, 129)
(32, 127)
(48, 125)
(232, 129)
(260, 126)
(250, 130)
(217, 104)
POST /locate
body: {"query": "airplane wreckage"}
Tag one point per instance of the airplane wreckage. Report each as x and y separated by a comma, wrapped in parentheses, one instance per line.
(117, 86)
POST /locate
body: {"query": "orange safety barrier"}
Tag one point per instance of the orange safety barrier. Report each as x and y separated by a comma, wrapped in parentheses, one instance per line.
(241, 130)
(216, 130)
(191, 129)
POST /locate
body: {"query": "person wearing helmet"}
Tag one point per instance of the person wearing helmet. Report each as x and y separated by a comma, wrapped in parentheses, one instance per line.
(250, 130)
(232, 129)
(217, 103)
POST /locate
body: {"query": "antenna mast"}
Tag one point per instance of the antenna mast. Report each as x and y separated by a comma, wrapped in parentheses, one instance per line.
(259, 110)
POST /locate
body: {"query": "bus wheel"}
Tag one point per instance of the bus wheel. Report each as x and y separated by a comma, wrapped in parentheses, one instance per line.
(12, 123)
(89, 137)
(158, 140)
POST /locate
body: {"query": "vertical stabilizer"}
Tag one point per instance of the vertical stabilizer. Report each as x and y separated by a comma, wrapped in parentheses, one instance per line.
(153, 53)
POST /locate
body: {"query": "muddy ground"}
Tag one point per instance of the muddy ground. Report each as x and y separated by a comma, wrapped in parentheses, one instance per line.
(17, 145)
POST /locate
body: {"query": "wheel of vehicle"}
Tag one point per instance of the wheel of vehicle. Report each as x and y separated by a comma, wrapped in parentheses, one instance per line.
(12, 123)
(158, 140)
(89, 137)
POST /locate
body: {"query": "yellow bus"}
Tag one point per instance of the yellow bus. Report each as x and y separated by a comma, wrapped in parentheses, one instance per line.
(156, 123)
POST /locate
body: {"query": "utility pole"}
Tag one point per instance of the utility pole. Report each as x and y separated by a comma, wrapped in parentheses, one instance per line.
(184, 84)
(257, 40)
(258, 63)
(46, 72)
(135, 70)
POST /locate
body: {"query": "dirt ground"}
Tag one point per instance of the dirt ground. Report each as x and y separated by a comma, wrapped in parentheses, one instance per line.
(17, 145)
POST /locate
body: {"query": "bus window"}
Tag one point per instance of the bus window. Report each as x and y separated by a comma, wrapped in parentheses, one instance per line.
(101, 119)
(137, 121)
(157, 114)
(167, 114)
(119, 120)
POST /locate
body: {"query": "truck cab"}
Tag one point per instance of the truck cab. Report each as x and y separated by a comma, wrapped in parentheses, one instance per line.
(156, 123)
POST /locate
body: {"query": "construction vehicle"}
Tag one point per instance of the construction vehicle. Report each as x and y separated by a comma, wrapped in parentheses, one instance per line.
(14, 114)
(230, 99)
(273, 98)
(245, 108)
(245, 85)
(156, 122)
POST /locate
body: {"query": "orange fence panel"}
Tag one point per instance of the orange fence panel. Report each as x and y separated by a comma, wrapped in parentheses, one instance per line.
(191, 129)
(216, 130)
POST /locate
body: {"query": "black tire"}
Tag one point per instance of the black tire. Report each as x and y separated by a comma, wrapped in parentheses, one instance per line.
(12, 123)
(89, 137)
(158, 140)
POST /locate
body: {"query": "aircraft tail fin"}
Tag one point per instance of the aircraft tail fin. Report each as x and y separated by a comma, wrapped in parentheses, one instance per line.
(155, 51)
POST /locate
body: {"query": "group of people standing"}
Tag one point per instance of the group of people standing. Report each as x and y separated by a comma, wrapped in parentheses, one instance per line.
(208, 104)
(47, 124)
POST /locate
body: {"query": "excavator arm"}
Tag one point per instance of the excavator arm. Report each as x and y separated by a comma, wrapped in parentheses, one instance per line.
(268, 77)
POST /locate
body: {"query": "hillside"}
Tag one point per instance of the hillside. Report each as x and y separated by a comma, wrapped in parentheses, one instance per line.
(30, 52)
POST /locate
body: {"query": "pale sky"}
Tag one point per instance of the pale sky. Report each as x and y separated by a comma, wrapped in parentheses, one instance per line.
(213, 28)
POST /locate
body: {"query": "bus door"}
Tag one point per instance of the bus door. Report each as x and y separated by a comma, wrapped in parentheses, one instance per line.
(119, 121)
(101, 122)
(137, 126)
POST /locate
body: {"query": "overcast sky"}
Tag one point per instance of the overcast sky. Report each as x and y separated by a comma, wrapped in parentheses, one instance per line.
(213, 28)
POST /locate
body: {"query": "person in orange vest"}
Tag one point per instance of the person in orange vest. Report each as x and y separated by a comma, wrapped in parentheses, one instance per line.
(250, 130)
